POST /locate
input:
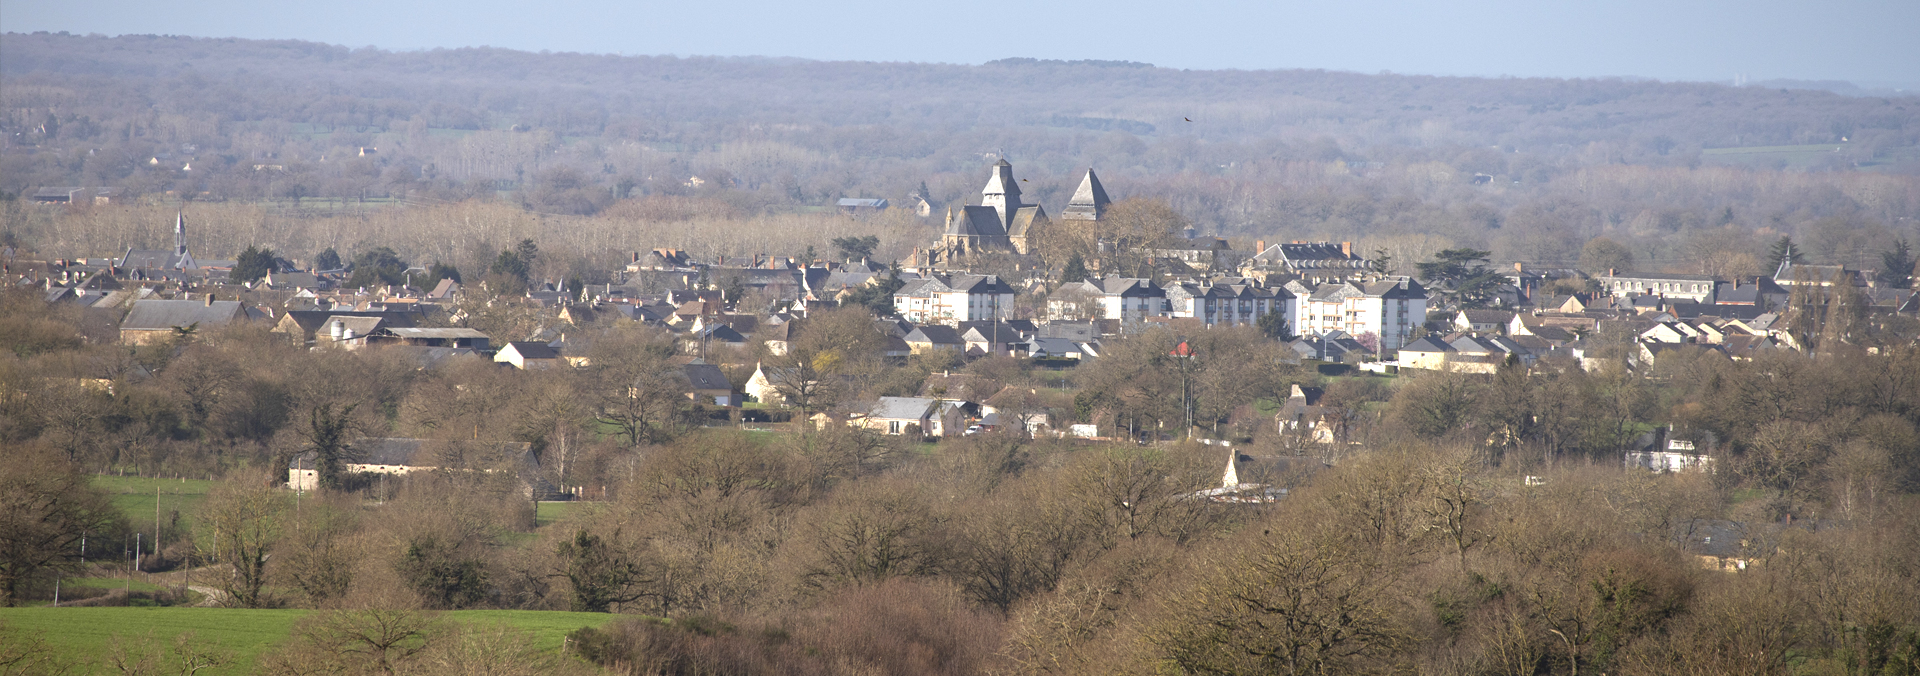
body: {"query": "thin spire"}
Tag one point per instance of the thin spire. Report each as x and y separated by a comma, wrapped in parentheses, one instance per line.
(179, 233)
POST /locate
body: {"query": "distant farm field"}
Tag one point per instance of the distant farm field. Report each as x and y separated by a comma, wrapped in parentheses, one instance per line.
(135, 496)
(85, 633)
(1804, 156)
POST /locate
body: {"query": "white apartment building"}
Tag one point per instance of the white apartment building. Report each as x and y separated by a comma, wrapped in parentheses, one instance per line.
(950, 299)
(1123, 298)
(1230, 304)
(1390, 309)
(1697, 288)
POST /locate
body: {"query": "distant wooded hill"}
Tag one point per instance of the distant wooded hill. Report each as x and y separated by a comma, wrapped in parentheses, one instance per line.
(1243, 153)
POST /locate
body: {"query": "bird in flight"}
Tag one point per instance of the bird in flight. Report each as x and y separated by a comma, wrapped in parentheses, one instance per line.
(1189, 119)
(1024, 180)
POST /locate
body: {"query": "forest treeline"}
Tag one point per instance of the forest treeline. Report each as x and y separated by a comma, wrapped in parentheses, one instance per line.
(1424, 547)
(1306, 152)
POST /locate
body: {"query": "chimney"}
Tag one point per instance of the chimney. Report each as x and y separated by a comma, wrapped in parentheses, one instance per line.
(1346, 249)
(209, 299)
(1610, 272)
(1519, 267)
(1259, 246)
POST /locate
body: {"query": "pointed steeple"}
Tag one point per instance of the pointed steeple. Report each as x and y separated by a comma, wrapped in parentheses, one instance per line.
(1232, 477)
(179, 234)
(1089, 202)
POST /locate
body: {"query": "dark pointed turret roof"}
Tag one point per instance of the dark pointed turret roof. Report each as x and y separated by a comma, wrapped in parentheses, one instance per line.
(1089, 202)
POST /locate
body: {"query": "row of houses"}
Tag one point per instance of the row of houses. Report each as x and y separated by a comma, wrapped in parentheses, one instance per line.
(1390, 308)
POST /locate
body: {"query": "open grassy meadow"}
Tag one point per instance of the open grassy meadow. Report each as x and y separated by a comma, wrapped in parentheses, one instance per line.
(85, 633)
(135, 496)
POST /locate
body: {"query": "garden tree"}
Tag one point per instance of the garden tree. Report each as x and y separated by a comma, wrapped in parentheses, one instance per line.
(252, 265)
(442, 573)
(1016, 546)
(1897, 265)
(877, 294)
(1074, 304)
(1274, 325)
(1508, 419)
(807, 378)
(837, 453)
(1784, 457)
(1454, 501)
(1127, 493)
(1782, 250)
(1235, 368)
(1345, 402)
(858, 247)
(327, 259)
(318, 558)
(204, 379)
(512, 270)
(326, 435)
(1843, 319)
(1382, 261)
(377, 266)
(635, 386)
(601, 570)
(836, 354)
(1020, 408)
(149, 654)
(1436, 404)
(711, 464)
(1463, 275)
(1119, 239)
(872, 531)
(1292, 602)
(1134, 383)
(372, 641)
(1756, 626)
(1601, 255)
(437, 272)
(46, 507)
(1075, 269)
(1084, 625)
(240, 525)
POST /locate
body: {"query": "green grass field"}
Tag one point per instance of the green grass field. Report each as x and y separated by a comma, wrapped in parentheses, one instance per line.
(85, 633)
(135, 497)
(546, 513)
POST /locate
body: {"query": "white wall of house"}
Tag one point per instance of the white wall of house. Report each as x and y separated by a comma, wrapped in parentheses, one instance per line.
(1392, 320)
(954, 306)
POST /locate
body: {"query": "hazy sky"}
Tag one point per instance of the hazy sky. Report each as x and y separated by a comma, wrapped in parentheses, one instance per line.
(1864, 41)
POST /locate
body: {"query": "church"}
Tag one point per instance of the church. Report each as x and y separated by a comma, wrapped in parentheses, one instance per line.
(1002, 224)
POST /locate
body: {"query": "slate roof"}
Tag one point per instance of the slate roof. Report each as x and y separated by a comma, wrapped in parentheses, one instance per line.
(935, 334)
(530, 349)
(704, 376)
(157, 315)
(429, 357)
(1089, 202)
(446, 333)
(908, 408)
(1054, 347)
(1427, 344)
(997, 333)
